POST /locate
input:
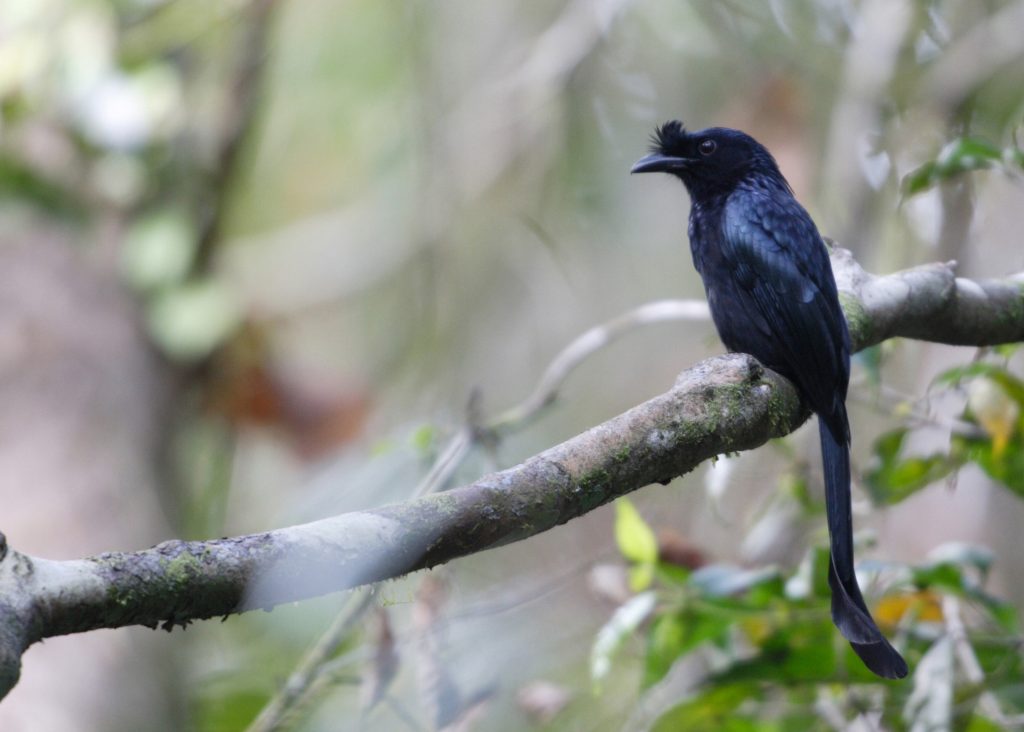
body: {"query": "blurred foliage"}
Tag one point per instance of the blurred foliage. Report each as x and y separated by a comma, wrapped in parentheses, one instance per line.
(995, 404)
(111, 127)
(767, 656)
(339, 219)
(894, 477)
(959, 156)
(989, 433)
(767, 650)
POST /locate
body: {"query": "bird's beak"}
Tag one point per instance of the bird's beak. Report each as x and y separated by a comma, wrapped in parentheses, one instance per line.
(658, 163)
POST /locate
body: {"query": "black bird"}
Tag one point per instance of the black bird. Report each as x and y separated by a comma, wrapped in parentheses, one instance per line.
(772, 295)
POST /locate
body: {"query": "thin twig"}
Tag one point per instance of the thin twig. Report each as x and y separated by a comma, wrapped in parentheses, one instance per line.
(546, 392)
(299, 684)
(586, 345)
(447, 462)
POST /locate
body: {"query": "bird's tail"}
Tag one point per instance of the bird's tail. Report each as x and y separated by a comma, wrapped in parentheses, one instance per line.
(849, 612)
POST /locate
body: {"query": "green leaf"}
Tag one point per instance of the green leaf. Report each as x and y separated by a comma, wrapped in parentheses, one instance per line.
(890, 479)
(820, 560)
(798, 652)
(980, 724)
(919, 179)
(634, 537)
(961, 155)
(677, 633)
(665, 643)
(941, 575)
(771, 590)
(713, 711)
(672, 575)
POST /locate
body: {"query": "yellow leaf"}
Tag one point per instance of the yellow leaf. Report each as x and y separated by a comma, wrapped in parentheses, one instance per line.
(994, 410)
(640, 576)
(923, 605)
(635, 538)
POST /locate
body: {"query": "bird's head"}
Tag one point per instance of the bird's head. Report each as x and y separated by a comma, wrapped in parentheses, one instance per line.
(709, 161)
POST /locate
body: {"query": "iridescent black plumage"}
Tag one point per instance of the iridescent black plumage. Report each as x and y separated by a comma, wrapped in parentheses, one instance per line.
(771, 292)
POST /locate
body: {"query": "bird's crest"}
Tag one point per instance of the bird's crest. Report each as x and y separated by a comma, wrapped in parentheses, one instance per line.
(668, 136)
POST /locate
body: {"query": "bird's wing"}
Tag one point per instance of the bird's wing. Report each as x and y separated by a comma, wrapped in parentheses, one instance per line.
(781, 266)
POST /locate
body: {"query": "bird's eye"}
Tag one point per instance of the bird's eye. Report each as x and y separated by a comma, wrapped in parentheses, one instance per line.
(707, 147)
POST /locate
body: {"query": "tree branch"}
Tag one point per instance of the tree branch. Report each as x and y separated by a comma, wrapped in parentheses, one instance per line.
(724, 404)
(929, 303)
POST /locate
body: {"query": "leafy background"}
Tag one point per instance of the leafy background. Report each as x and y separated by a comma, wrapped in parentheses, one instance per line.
(261, 260)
